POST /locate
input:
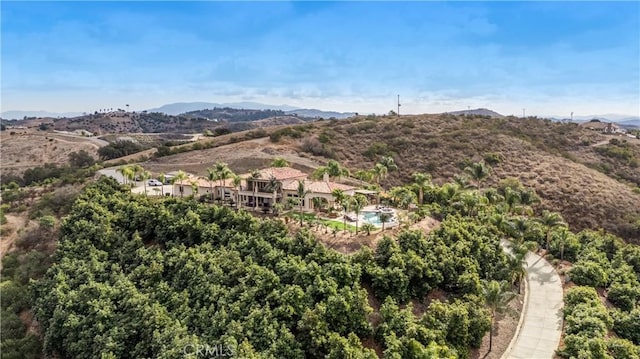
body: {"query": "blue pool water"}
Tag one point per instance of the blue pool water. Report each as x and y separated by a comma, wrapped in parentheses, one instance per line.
(373, 218)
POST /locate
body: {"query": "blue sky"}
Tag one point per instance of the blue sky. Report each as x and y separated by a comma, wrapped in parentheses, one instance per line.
(548, 57)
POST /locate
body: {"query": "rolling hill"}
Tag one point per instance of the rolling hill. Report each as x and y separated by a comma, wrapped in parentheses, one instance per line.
(576, 172)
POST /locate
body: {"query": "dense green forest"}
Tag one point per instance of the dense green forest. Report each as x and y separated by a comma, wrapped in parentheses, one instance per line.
(136, 277)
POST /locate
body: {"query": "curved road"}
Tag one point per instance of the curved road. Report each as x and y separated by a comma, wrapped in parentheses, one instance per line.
(540, 328)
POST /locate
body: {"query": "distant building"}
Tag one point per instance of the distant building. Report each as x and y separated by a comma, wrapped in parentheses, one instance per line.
(603, 127)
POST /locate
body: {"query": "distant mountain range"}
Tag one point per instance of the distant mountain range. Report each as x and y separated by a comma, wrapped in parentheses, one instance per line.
(179, 108)
(19, 115)
(183, 107)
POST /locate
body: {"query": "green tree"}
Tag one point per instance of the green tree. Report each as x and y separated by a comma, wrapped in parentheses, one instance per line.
(368, 227)
(236, 181)
(302, 193)
(144, 176)
(496, 296)
(380, 172)
(340, 198)
(212, 176)
(81, 159)
(358, 202)
(478, 172)
(223, 172)
(421, 182)
(550, 220)
(162, 178)
(126, 172)
(180, 177)
(384, 218)
(333, 169)
(279, 162)
(389, 163)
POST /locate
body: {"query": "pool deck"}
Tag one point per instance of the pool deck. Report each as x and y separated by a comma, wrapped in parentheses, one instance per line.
(374, 208)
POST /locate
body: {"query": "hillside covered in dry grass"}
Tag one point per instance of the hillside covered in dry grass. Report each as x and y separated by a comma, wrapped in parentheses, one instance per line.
(590, 179)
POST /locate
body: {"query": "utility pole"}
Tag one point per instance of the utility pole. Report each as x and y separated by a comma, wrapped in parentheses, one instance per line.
(571, 116)
(398, 105)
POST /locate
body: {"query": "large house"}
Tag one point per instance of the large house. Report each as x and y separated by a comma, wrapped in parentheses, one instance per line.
(273, 185)
(202, 186)
(266, 187)
(604, 127)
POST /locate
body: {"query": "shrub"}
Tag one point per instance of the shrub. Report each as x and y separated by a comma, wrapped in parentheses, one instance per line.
(119, 149)
(588, 273)
(313, 146)
(623, 295)
(377, 149)
(627, 325)
(622, 349)
(493, 158)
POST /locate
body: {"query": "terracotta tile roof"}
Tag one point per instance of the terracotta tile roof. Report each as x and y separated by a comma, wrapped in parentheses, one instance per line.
(280, 173)
(203, 182)
(316, 186)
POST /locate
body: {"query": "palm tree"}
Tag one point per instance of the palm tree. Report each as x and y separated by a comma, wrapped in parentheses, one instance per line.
(450, 192)
(511, 198)
(211, 177)
(563, 237)
(222, 174)
(137, 169)
(527, 199)
(144, 176)
(179, 177)
(357, 204)
(162, 178)
(516, 264)
(496, 297)
(318, 203)
(384, 218)
(127, 173)
(364, 175)
(403, 197)
(236, 181)
(519, 228)
(389, 163)
(338, 196)
(274, 186)
(500, 221)
(368, 227)
(492, 196)
(194, 189)
(421, 181)
(468, 203)
(380, 172)
(479, 172)
(341, 200)
(550, 220)
(302, 193)
(335, 170)
(461, 181)
(279, 162)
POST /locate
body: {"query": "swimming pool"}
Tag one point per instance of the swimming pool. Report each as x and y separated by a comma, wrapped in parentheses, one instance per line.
(373, 217)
